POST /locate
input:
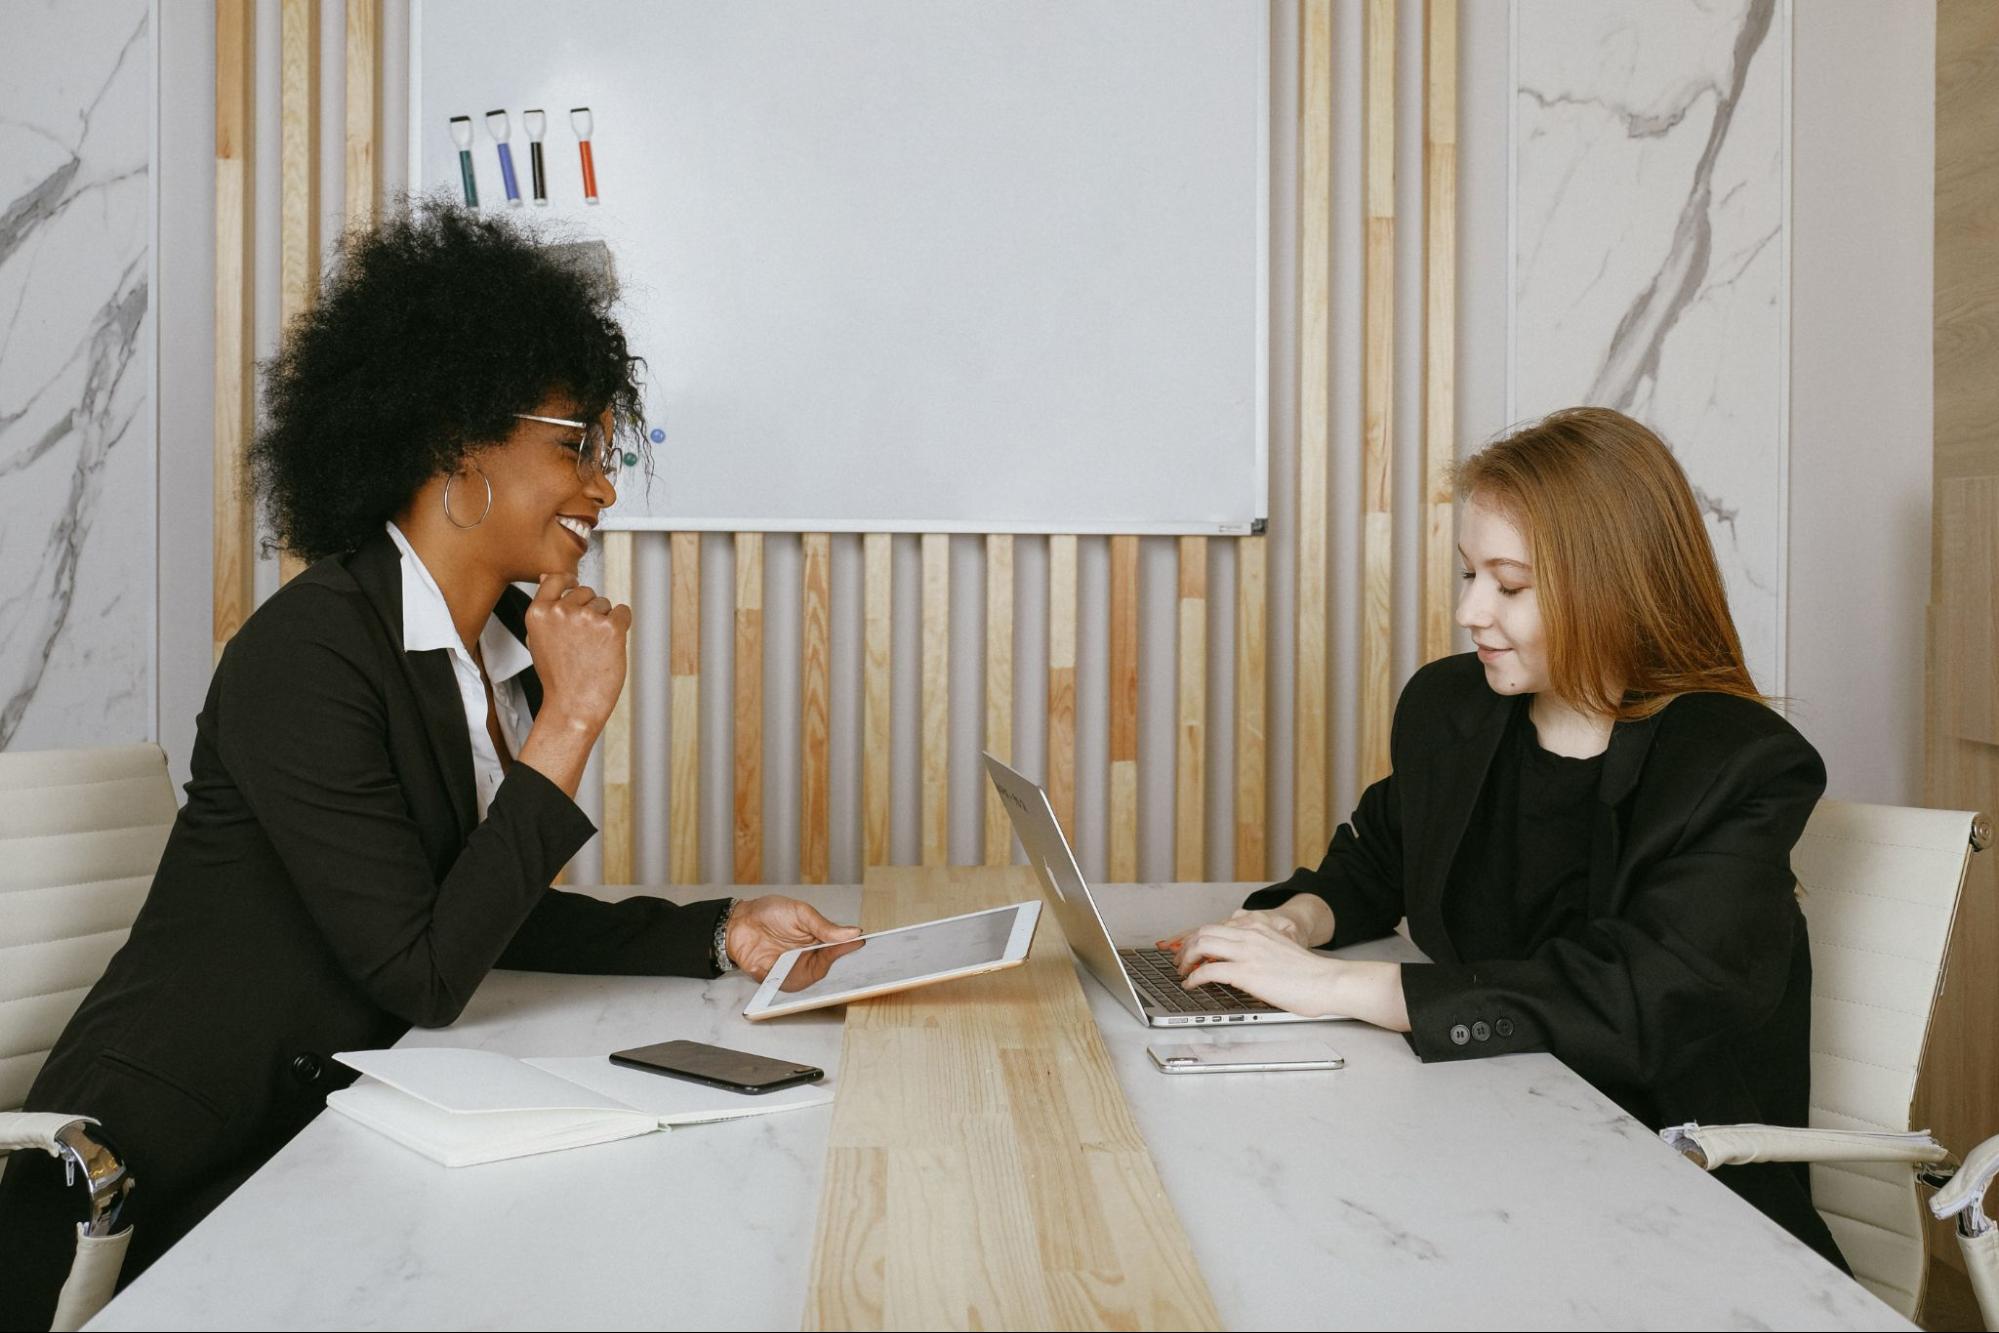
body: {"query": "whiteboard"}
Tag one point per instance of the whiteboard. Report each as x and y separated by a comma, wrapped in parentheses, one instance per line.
(905, 265)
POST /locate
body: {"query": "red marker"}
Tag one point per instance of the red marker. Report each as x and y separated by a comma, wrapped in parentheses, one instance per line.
(579, 120)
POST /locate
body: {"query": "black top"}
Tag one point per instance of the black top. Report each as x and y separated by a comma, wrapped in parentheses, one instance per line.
(1522, 877)
(1683, 988)
(328, 885)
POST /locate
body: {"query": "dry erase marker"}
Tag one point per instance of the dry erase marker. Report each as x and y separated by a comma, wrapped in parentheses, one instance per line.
(579, 120)
(461, 134)
(496, 125)
(536, 125)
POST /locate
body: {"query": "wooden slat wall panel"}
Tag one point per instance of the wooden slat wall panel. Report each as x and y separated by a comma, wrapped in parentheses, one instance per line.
(1251, 610)
(1190, 801)
(1958, 1092)
(1377, 626)
(364, 110)
(1061, 783)
(749, 826)
(1440, 317)
(878, 624)
(298, 207)
(234, 588)
(936, 738)
(815, 697)
(620, 827)
(999, 688)
(684, 713)
(1123, 829)
(1311, 793)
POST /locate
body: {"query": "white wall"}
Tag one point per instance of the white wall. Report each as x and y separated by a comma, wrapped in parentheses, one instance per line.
(76, 365)
(186, 397)
(1863, 190)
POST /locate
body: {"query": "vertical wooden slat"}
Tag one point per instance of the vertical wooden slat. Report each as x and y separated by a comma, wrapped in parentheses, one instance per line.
(1959, 1089)
(1440, 314)
(936, 699)
(684, 703)
(1377, 574)
(999, 688)
(1311, 795)
(815, 693)
(619, 826)
(878, 624)
(1190, 806)
(1061, 783)
(1124, 710)
(1251, 856)
(234, 541)
(749, 707)
(364, 110)
(298, 175)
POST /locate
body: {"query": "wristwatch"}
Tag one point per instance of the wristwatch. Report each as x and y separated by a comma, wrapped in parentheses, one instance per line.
(719, 949)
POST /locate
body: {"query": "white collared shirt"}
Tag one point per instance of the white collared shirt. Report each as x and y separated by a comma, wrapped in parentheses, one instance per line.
(427, 625)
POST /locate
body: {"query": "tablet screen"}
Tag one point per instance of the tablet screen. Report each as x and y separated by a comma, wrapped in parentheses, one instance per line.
(900, 955)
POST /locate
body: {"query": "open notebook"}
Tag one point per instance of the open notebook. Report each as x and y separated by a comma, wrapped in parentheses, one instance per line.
(462, 1107)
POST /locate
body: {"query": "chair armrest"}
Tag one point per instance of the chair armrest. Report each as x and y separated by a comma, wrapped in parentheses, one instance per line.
(82, 1148)
(1710, 1146)
(35, 1129)
(1964, 1196)
(100, 1246)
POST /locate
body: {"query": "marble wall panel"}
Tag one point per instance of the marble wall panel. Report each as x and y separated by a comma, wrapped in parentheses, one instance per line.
(77, 455)
(1650, 156)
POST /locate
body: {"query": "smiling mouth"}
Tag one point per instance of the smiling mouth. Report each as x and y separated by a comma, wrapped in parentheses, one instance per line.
(575, 527)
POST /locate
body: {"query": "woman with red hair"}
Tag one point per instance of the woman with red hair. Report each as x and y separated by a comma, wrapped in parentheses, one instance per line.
(1589, 820)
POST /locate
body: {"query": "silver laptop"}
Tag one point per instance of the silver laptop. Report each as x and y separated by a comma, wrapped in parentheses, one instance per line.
(1145, 980)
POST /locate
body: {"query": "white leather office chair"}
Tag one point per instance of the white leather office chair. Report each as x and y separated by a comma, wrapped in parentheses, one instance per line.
(1880, 890)
(81, 832)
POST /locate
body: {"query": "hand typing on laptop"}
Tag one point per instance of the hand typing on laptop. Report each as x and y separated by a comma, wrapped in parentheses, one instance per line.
(1265, 953)
(1305, 918)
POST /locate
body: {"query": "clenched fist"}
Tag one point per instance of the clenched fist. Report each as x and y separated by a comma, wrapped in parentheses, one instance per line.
(578, 642)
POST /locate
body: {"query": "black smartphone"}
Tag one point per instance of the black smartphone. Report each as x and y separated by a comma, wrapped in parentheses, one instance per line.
(717, 1066)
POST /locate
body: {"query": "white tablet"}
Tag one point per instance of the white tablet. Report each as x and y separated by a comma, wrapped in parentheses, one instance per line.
(893, 960)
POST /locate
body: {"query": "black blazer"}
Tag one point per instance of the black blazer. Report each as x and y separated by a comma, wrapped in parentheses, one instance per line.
(1686, 993)
(328, 885)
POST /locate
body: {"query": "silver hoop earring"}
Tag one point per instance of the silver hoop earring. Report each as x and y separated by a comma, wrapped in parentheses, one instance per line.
(482, 513)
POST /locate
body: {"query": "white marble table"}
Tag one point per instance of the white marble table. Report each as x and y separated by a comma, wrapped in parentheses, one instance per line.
(1502, 1193)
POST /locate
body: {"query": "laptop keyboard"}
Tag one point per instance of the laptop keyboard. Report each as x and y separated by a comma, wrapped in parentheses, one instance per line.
(1152, 971)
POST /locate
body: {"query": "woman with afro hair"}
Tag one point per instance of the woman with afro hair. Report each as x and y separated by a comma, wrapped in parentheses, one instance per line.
(385, 767)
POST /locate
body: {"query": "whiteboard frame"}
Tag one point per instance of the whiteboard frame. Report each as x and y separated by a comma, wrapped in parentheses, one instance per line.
(625, 523)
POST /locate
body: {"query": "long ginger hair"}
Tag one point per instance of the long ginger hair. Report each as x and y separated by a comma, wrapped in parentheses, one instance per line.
(1631, 596)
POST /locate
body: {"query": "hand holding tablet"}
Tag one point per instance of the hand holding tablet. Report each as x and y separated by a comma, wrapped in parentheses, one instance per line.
(894, 960)
(762, 930)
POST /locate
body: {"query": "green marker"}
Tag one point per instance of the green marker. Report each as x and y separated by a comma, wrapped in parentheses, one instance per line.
(461, 134)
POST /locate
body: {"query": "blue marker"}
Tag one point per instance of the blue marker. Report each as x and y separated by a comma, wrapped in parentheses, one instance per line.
(461, 134)
(496, 125)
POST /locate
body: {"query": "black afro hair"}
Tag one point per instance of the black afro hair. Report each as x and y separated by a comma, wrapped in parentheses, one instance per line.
(431, 330)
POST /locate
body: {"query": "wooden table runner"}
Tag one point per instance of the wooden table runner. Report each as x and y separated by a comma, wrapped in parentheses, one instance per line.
(983, 1169)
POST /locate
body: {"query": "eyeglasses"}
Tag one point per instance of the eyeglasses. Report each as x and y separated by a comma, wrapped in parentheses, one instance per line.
(597, 455)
